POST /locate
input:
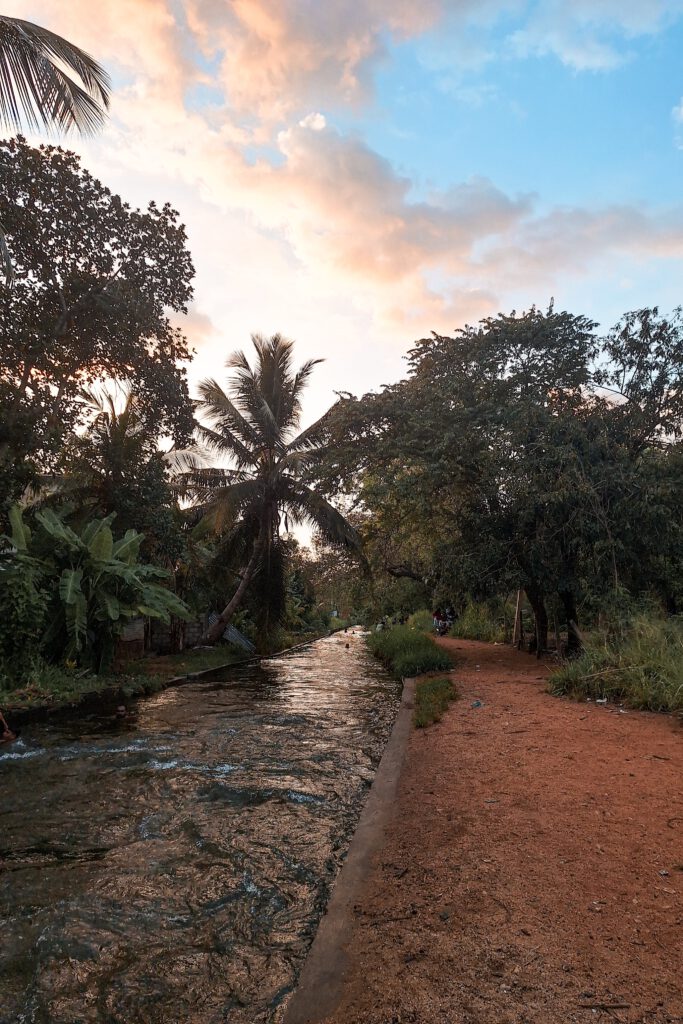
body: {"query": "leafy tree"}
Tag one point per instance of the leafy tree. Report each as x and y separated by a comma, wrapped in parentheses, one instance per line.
(254, 425)
(86, 587)
(96, 283)
(505, 460)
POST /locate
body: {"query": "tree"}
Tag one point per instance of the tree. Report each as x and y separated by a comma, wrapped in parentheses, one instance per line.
(96, 283)
(116, 466)
(506, 460)
(35, 87)
(254, 425)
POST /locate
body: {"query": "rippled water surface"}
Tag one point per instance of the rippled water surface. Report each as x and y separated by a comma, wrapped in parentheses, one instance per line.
(172, 867)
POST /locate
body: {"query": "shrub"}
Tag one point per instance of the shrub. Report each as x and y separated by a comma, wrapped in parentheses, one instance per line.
(432, 697)
(76, 591)
(408, 653)
(422, 620)
(480, 622)
(643, 667)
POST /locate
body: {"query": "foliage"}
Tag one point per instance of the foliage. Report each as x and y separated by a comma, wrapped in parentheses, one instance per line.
(527, 452)
(23, 611)
(45, 685)
(115, 466)
(407, 653)
(432, 697)
(92, 583)
(95, 284)
(35, 87)
(336, 624)
(423, 620)
(479, 622)
(642, 666)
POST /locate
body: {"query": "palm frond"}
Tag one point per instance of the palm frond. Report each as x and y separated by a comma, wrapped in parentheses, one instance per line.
(306, 506)
(222, 412)
(239, 499)
(224, 442)
(312, 438)
(179, 461)
(36, 91)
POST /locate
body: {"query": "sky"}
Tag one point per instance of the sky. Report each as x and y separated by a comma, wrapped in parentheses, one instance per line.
(358, 173)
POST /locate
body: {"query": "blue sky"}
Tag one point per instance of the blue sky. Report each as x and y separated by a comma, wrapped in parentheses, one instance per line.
(355, 175)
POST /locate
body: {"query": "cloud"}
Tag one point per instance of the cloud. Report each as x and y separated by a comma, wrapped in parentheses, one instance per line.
(591, 35)
(315, 215)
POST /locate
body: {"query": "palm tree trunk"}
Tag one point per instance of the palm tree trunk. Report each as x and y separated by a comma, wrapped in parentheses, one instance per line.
(215, 631)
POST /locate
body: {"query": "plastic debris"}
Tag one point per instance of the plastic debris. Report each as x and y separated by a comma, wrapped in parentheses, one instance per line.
(476, 704)
(601, 700)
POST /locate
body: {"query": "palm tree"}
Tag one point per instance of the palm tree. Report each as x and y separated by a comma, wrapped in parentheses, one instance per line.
(254, 424)
(35, 87)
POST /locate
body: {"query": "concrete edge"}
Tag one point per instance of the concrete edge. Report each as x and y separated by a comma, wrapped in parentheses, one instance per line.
(322, 979)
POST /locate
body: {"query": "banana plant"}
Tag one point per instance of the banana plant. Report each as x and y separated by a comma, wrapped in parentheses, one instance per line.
(95, 584)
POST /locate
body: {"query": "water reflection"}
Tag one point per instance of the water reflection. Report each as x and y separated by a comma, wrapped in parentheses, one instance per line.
(172, 867)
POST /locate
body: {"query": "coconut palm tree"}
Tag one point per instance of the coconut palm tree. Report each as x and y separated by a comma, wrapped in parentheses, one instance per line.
(254, 424)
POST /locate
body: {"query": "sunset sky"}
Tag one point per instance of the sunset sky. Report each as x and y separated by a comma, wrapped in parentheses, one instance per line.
(355, 174)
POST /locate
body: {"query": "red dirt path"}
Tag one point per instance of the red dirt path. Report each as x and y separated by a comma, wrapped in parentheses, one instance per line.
(533, 873)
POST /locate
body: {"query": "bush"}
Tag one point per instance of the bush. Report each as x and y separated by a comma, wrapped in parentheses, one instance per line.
(432, 697)
(408, 653)
(422, 620)
(643, 667)
(480, 622)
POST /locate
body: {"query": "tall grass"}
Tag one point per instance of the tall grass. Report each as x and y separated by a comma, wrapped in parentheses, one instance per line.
(422, 620)
(643, 667)
(407, 652)
(432, 697)
(480, 622)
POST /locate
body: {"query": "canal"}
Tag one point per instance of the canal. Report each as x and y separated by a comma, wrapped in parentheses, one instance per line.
(172, 866)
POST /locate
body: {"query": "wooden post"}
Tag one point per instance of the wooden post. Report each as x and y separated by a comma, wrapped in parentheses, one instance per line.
(518, 632)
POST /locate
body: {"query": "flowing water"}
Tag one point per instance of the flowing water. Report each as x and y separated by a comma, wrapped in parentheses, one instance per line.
(171, 868)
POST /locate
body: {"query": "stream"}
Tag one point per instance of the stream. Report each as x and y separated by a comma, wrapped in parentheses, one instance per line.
(171, 867)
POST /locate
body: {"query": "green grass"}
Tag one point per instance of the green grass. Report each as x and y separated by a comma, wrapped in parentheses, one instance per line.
(479, 622)
(407, 652)
(49, 686)
(432, 697)
(422, 620)
(642, 668)
(169, 665)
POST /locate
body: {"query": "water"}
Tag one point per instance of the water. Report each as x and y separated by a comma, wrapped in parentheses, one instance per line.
(171, 868)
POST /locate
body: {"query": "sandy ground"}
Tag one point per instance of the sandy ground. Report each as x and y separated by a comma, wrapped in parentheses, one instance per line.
(534, 868)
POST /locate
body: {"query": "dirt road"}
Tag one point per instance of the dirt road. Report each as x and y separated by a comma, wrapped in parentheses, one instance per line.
(534, 868)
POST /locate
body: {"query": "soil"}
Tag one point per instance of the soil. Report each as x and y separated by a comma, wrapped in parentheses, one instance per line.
(533, 870)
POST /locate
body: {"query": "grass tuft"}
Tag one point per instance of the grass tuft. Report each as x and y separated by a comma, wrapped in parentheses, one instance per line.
(643, 667)
(406, 652)
(432, 697)
(479, 622)
(422, 620)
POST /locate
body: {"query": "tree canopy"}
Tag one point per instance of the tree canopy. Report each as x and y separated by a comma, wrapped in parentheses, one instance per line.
(525, 452)
(97, 284)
